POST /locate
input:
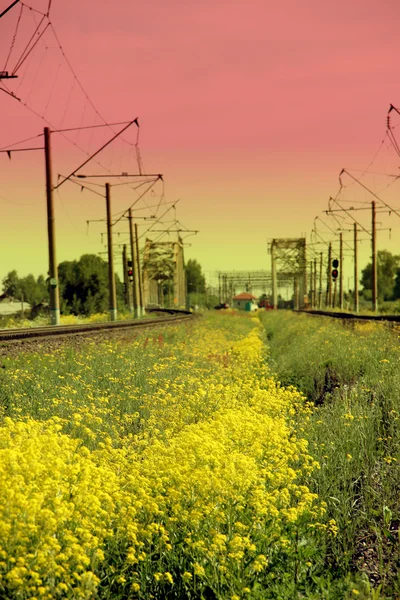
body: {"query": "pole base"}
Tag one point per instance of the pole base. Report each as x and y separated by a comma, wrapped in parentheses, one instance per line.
(54, 316)
(113, 314)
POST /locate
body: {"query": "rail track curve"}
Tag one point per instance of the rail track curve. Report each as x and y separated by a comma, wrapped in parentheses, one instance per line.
(351, 316)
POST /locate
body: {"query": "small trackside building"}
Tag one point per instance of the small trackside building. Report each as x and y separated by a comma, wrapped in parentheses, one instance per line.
(244, 301)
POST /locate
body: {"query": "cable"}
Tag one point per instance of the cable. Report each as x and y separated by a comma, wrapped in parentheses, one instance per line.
(19, 203)
(34, 137)
(14, 37)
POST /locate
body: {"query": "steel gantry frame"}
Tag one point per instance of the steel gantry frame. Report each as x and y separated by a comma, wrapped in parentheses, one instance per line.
(163, 262)
(289, 259)
(232, 282)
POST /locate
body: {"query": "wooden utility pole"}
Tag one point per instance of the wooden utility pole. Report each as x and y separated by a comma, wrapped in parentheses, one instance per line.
(311, 299)
(111, 275)
(53, 275)
(329, 278)
(355, 270)
(341, 271)
(320, 282)
(139, 271)
(374, 262)
(135, 283)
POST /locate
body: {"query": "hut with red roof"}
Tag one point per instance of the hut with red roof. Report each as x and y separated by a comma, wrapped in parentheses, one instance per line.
(244, 301)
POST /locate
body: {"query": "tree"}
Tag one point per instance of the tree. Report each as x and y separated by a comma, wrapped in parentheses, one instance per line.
(11, 284)
(195, 279)
(84, 285)
(388, 266)
(30, 289)
(43, 289)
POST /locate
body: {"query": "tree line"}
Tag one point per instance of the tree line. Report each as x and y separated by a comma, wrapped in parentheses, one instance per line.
(84, 285)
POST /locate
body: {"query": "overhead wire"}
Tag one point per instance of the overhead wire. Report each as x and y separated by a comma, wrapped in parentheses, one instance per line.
(27, 51)
(32, 43)
(14, 37)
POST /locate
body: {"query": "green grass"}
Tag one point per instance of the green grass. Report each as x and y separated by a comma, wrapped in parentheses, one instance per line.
(351, 374)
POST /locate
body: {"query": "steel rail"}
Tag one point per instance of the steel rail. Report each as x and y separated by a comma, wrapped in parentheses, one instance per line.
(32, 333)
(352, 316)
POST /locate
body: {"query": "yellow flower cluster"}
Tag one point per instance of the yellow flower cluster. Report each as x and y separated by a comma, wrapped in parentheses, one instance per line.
(191, 476)
(56, 511)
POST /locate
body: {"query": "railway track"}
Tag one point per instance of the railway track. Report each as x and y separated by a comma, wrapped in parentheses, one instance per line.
(51, 331)
(352, 316)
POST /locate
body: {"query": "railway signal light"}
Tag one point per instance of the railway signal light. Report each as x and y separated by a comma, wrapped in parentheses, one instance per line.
(335, 272)
(130, 274)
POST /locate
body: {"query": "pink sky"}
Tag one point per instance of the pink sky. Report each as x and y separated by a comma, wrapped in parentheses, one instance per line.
(249, 108)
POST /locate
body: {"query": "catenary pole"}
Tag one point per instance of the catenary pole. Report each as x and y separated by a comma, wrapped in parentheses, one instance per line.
(374, 261)
(355, 270)
(296, 293)
(111, 275)
(341, 270)
(334, 294)
(135, 285)
(315, 284)
(329, 278)
(53, 275)
(320, 282)
(126, 280)
(274, 279)
(139, 271)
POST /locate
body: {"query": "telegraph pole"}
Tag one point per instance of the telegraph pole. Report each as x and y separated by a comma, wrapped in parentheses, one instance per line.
(135, 285)
(355, 270)
(53, 275)
(139, 270)
(341, 271)
(311, 301)
(320, 282)
(374, 262)
(111, 275)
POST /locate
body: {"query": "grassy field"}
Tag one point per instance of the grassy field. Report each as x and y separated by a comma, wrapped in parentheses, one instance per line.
(174, 465)
(351, 374)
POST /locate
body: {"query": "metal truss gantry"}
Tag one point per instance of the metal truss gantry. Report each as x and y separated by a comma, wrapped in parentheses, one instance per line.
(289, 260)
(163, 263)
(232, 282)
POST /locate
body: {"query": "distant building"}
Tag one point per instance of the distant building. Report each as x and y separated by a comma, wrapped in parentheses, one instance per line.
(244, 301)
(10, 305)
